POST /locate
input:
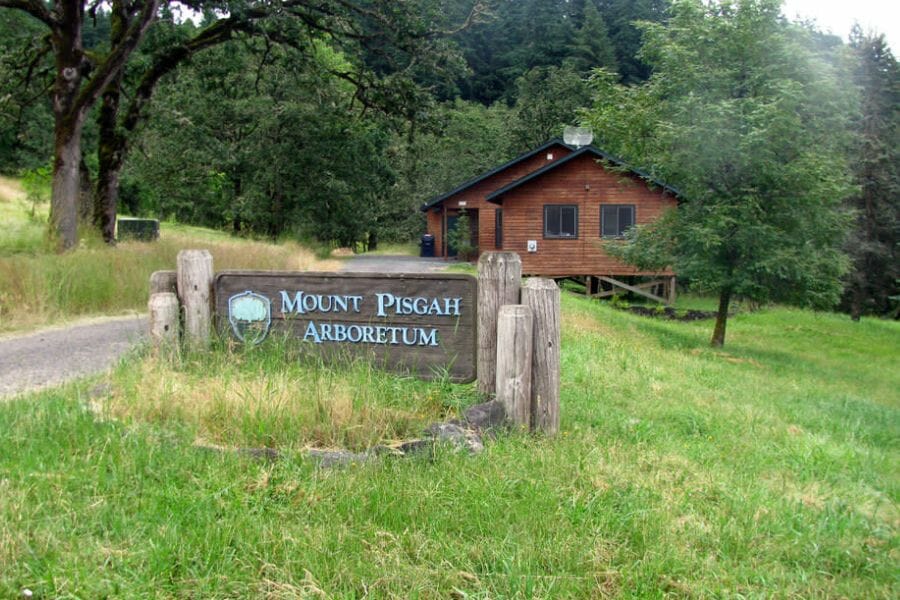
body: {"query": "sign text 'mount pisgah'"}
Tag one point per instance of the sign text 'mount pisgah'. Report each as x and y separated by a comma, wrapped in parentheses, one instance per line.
(411, 323)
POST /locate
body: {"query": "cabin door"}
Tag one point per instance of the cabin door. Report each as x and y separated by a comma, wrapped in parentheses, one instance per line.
(453, 223)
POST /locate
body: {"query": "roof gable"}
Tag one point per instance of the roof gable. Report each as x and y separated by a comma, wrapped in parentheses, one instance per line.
(497, 194)
(466, 185)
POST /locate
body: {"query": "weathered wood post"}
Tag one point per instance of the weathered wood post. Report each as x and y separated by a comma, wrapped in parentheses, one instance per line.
(163, 308)
(542, 296)
(515, 338)
(499, 280)
(195, 278)
(163, 281)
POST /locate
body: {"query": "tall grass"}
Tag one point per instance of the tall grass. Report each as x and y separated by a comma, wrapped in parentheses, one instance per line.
(277, 395)
(38, 287)
(98, 280)
(23, 215)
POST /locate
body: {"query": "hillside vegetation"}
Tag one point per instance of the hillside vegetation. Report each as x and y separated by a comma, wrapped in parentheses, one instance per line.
(768, 470)
(38, 287)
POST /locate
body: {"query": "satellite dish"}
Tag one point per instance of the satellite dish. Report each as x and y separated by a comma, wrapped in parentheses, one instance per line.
(578, 136)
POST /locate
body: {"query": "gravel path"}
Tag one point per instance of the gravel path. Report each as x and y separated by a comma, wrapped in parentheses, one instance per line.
(53, 356)
(394, 264)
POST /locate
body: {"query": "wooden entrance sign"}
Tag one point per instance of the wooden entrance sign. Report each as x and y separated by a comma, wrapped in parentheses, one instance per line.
(422, 324)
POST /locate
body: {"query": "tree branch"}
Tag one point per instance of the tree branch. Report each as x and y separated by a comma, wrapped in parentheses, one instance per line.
(35, 8)
(118, 56)
(165, 62)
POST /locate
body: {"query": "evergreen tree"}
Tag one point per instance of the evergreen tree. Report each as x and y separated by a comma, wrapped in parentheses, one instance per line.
(872, 286)
(591, 46)
(549, 98)
(623, 18)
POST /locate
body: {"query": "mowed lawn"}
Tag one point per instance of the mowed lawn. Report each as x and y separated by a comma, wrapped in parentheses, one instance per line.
(767, 469)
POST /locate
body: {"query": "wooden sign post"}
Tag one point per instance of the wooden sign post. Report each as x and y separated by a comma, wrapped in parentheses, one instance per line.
(422, 324)
(433, 326)
(499, 280)
(542, 296)
(194, 279)
(514, 348)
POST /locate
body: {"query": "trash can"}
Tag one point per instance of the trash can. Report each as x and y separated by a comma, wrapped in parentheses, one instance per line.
(427, 246)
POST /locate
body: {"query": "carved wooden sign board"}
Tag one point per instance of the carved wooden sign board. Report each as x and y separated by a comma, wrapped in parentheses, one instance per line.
(408, 323)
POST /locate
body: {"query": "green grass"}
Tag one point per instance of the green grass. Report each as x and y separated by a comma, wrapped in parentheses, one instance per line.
(767, 469)
(39, 287)
(278, 396)
(23, 218)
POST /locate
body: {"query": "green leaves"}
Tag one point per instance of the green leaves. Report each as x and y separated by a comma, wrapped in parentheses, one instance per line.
(748, 119)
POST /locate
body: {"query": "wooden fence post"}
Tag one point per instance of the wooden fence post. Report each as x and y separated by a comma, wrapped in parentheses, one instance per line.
(515, 333)
(163, 281)
(499, 279)
(163, 307)
(542, 296)
(195, 278)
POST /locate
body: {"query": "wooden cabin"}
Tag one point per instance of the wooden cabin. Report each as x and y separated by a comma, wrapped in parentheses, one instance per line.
(555, 206)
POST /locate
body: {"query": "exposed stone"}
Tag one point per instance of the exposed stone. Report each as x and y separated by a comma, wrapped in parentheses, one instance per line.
(484, 416)
(336, 458)
(406, 447)
(270, 454)
(459, 437)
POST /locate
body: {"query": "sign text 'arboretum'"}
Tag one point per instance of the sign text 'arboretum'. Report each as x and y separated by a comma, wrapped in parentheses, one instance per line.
(421, 324)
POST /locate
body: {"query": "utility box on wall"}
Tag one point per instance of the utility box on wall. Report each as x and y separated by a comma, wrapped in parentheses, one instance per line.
(532, 245)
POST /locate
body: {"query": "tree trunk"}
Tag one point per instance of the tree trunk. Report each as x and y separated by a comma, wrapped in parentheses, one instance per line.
(85, 195)
(111, 146)
(66, 169)
(236, 191)
(68, 121)
(718, 337)
(73, 97)
(856, 300)
(110, 153)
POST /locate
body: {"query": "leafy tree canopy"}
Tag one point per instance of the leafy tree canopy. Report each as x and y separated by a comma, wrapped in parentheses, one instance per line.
(752, 126)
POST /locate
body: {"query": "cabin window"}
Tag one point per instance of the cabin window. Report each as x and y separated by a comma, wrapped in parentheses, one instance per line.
(498, 229)
(615, 219)
(560, 221)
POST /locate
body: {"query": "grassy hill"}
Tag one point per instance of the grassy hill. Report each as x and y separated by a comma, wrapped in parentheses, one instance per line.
(38, 287)
(768, 469)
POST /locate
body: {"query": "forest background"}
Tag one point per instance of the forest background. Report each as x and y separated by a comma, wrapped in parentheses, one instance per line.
(335, 121)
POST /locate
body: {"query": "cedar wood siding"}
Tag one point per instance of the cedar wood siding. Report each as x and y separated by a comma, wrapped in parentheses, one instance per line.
(474, 197)
(523, 217)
